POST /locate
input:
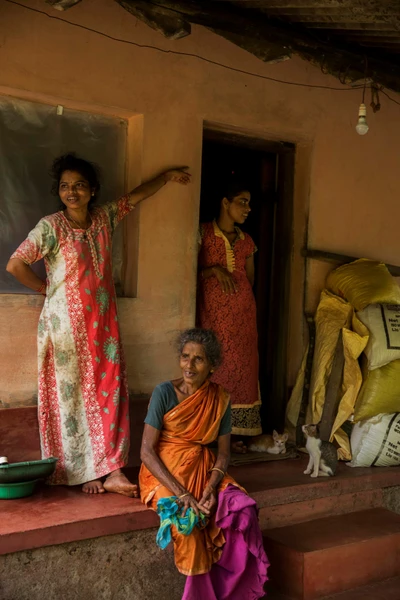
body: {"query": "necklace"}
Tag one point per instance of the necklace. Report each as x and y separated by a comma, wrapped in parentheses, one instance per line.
(227, 232)
(92, 245)
(77, 224)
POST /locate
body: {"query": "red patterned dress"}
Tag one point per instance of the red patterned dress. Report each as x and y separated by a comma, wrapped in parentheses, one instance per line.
(233, 319)
(82, 390)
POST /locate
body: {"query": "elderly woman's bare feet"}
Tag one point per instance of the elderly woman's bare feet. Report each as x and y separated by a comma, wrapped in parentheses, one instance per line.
(118, 483)
(93, 487)
(238, 447)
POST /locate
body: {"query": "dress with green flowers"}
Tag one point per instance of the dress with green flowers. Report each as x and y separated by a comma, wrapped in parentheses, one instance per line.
(82, 391)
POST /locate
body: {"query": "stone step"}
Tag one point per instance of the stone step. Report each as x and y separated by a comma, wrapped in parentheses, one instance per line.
(327, 556)
(383, 590)
(292, 513)
(285, 495)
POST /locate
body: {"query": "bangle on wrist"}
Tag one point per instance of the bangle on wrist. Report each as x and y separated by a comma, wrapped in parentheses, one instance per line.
(42, 288)
(219, 471)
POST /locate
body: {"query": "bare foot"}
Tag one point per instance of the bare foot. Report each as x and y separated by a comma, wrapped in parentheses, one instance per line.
(93, 487)
(238, 448)
(117, 483)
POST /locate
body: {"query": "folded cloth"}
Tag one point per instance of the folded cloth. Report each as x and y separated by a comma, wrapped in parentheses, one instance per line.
(170, 514)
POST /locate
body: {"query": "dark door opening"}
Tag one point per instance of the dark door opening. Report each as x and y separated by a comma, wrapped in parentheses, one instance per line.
(267, 170)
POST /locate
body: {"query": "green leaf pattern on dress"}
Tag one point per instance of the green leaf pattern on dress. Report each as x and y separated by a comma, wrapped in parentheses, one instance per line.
(71, 425)
(55, 321)
(62, 358)
(111, 350)
(41, 327)
(67, 390)
(102, 299)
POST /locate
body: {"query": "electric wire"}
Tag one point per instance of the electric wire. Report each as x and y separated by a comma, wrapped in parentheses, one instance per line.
(198, 56)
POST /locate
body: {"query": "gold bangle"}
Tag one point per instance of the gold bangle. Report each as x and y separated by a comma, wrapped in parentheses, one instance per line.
(219, 470)
(183, 495)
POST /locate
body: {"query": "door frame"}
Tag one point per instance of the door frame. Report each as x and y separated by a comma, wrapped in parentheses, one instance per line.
(281, 268)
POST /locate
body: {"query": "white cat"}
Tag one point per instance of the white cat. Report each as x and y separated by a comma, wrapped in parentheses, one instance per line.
(323, 455)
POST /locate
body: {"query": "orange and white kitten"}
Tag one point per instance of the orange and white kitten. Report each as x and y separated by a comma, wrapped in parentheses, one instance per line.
(273, 444)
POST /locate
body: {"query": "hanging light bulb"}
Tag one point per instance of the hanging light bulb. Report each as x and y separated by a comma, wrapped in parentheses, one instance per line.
(362, 127)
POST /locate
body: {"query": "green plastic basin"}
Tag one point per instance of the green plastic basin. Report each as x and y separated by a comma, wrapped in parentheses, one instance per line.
(27, 471)
(11, 491)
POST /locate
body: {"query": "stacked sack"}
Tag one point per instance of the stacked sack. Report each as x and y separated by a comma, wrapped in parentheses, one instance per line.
(374, 294)
(334, 316)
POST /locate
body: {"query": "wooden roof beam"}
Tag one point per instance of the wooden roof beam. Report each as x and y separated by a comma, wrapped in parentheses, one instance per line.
(173, 26)
(167, 22)
(341, 61)
(62, 4)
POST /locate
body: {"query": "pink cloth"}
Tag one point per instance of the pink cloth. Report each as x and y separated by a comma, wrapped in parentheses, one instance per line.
(241, 572)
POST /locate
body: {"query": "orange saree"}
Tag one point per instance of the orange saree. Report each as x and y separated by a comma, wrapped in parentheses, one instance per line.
(187, 429)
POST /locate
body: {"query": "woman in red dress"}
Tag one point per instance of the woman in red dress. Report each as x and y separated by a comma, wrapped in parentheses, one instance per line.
(226, 305)
(82, 389)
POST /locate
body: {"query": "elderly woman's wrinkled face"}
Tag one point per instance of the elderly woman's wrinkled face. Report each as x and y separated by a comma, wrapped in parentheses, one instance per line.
(194, 364)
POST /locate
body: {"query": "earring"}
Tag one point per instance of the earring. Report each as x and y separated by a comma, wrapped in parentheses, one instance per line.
(211, 370)
(93, 194)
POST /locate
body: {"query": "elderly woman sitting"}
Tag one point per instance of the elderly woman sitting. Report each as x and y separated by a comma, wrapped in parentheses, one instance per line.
(223, 556)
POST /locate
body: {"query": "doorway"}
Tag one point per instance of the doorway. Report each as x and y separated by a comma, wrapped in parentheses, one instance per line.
(267, 169)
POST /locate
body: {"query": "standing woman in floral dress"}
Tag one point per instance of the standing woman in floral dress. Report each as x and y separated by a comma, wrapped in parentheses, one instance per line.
(226, 304)
(83, 402)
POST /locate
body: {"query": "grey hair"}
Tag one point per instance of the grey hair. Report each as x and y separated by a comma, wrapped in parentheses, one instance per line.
(205, 337)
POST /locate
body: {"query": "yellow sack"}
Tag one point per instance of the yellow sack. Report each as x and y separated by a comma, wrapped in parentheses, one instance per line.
(354, 342)
(333, 314)
(364, 282)
(380, 392)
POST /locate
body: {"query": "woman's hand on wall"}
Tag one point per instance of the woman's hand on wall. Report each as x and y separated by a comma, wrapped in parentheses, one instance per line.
(178, 175)
(151, 187)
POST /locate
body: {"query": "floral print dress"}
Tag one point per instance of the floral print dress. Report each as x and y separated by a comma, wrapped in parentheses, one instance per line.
(233, 318)
(83, 407)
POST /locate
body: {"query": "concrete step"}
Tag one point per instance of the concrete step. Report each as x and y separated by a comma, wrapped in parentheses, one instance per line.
(327, 556)
(285, 496)
(292, 513)
(383, 590)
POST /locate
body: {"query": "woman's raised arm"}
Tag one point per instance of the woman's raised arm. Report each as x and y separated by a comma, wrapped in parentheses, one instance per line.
(151, 187)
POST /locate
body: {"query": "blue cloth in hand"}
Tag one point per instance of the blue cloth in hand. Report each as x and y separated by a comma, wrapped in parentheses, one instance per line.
(170, 514)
